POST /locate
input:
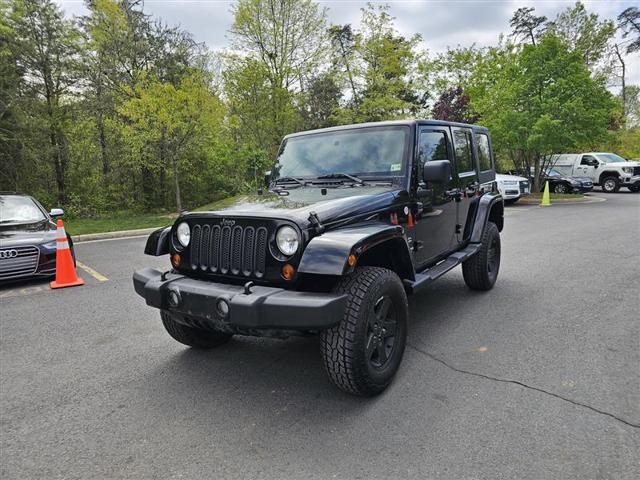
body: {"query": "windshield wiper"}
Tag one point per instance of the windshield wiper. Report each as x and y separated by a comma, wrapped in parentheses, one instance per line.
(330, 176)
(280, 180)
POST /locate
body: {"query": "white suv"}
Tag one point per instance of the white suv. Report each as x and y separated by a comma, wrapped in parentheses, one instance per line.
(512, 187)
(608, 170)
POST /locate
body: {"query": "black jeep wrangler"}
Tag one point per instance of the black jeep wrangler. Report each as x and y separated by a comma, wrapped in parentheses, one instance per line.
(353, 219)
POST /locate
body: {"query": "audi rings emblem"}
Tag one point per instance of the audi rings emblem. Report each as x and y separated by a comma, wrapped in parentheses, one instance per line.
(8, 253)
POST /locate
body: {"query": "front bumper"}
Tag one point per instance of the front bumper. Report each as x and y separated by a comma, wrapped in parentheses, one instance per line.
(262, 308)
(635, 180)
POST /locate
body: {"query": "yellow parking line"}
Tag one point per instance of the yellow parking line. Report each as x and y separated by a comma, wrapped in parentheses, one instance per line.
(92, 272)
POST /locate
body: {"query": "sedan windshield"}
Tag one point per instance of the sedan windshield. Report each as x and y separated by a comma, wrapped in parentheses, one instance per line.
(17, 209)
(612, 158)
(361, 152)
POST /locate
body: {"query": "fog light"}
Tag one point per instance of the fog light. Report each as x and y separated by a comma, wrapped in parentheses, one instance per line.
(174, 298)
(176, 260)
(223, 307)
(287, 272)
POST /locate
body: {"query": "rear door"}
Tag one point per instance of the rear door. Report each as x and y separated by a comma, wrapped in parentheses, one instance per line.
(435, 229)
(466, 173)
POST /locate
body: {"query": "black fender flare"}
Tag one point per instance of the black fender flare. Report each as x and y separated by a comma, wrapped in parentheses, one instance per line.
(327, 254)
(490, 206)
(158, 242)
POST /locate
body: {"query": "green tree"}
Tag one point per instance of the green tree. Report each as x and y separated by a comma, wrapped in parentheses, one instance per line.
(166, 122)
(541, 100)
(583, 32)
(526, 25)
(49, 48)
(629, 24)
(388, 70)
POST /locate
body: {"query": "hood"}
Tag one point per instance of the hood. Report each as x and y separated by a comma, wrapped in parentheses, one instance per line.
(502, 177)
(18, 234)
(622, 164)
(296, 205)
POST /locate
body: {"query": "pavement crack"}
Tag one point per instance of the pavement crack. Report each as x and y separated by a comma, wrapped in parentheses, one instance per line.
(524, 385)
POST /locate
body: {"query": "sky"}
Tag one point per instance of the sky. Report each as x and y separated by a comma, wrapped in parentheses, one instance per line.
(442, 23)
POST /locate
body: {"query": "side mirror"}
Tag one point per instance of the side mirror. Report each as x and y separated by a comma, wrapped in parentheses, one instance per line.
(595, 164)
(267, 178)
(437, 171)
(56, 212)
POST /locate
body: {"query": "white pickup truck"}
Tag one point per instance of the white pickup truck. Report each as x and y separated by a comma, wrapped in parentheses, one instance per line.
(608, 170)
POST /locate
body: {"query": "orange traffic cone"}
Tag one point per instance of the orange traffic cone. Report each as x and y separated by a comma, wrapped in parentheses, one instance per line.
(65, 270)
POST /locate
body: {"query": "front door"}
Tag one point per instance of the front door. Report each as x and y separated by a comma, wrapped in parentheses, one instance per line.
(435, 229)
(588, 165)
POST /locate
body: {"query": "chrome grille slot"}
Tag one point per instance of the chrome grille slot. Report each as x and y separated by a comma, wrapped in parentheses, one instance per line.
(229, 249)
(24, 262)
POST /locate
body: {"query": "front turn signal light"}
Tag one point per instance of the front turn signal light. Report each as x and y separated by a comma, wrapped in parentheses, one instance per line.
(176, 260)
(351, 260)
(287, 272)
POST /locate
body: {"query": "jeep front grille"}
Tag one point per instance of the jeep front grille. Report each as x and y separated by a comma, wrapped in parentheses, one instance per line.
(234, 250)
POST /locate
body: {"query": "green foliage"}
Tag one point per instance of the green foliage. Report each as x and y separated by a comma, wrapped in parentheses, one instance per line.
(116, 111)
(541, 100)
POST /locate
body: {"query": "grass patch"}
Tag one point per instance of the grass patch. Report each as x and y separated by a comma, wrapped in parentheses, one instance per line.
(218, 204)
(116, 222)
(536, 198)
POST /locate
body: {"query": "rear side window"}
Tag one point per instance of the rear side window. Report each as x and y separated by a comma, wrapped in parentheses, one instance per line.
(484, 152)
(588, 160)
(462, 145)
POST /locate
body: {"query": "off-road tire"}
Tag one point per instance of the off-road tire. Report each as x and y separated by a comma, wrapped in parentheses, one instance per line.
(634, 188)
(343, 347)
(478, 271)
(193, 337)
(612, 180)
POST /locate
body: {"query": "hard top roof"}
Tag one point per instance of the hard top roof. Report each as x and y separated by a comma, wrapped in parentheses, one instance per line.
(408, 123)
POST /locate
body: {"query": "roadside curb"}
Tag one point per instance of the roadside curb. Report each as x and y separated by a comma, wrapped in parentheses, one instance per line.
(572, 202)
(107, 235)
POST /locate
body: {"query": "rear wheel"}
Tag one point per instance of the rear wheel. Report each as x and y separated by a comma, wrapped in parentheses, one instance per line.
(610, 184)
(363, 352)
(194, 337)
(480, 272)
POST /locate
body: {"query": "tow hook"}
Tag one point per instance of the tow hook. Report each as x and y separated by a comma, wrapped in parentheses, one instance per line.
(247, 288)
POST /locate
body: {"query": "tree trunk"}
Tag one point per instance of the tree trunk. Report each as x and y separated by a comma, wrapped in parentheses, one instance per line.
(624, 73)
(177, 182)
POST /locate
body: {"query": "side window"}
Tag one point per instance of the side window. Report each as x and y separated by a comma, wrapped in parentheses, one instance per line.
(432, 146)
(462, 144)
(484, 152)
(588, 160)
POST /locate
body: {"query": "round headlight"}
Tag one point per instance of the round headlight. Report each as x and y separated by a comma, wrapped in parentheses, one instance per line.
(184, 234)
(287, 240)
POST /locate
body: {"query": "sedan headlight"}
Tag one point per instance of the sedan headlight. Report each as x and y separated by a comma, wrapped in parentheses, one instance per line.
(627, 169)
(287, 240)
(183, 233)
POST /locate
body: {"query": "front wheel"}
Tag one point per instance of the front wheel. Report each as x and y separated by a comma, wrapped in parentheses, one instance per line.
(560, 188)
(480, 272)
(610, 185)
(193, 337)
(363, 352)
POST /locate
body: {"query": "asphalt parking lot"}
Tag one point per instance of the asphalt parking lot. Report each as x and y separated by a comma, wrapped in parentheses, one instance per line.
(538, 378)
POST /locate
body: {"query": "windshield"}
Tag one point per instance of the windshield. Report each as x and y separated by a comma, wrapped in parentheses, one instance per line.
(371, 151)
(554, 173)
(611, 158)
(17, 209)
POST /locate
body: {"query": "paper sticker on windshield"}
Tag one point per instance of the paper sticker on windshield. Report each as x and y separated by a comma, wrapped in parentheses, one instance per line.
(395, 167)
